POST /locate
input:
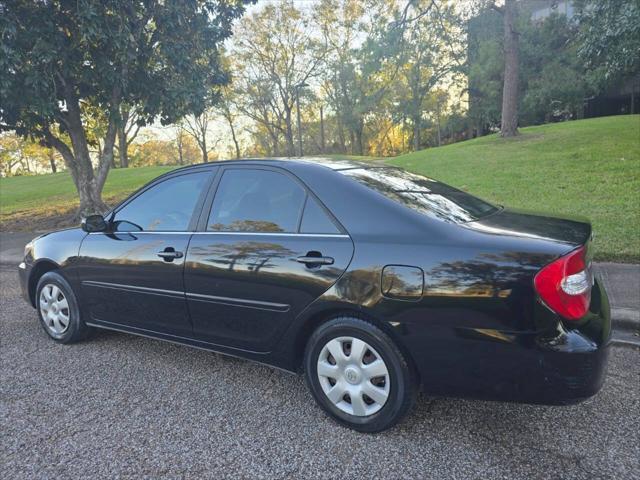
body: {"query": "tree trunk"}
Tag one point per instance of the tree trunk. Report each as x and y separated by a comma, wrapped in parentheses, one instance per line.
(299, 124)
(180, 147)
(509, 124)
(52, 161)
(321, 130)
(341, 138)
(203, 147)
(438, 123)
(122, 147)
(417, 132)
(359, 132)
(180, 155)
(233, 136)
(291, 149)
(86, 182)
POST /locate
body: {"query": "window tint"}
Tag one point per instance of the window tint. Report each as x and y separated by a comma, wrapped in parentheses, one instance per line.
(256, 201)
(423, 194)
(315, 219)
(167, 206)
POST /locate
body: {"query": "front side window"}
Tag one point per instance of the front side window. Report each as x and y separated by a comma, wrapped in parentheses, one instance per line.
(256, 201)
(423, 194)
(167, 206)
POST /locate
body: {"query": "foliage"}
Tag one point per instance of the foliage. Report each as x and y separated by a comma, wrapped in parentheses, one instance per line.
(63, 60)
(609, 35)
(431, 51)
(484, 68)
(278, 54)
(19, 156)
(554, 81)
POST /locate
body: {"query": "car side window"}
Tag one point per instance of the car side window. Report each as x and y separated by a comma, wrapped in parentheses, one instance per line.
(256, 201)
(315, 219)
(167, 206)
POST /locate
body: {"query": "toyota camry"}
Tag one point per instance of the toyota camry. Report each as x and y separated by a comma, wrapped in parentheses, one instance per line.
(373, 282)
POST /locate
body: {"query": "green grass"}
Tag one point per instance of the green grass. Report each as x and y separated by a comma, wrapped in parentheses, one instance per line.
(56, 191)
(587, 167)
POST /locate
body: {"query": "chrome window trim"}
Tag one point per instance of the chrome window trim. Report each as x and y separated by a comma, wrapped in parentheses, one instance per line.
(269, 234)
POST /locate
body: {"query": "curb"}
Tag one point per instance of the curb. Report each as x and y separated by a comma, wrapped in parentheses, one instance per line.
(625, 318)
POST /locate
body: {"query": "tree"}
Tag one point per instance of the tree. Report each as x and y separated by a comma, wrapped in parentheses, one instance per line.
(20, 156)
(484, 69)
(60, 61)
(359, 73)
(609, 35)
(509, 116)
(228, 111)
(153, 152)
(554, 81)
(187, 150)
(281, 54)
(128, 129)
(198, 127)
(431, 51)
(12, 158)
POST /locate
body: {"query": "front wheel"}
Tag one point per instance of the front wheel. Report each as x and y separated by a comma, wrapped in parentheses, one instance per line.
(58, 309)
(358, 375)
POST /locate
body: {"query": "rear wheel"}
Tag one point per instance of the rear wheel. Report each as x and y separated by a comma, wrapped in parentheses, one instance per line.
(58, 309)
(358, 375)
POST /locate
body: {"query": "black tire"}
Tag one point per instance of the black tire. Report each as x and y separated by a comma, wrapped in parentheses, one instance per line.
(403, 384)
(76, 329)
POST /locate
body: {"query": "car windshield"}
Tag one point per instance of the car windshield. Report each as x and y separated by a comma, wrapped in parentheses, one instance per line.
(423, 194)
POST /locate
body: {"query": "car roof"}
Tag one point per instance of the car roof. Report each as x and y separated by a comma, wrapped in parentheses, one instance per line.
(331, 163)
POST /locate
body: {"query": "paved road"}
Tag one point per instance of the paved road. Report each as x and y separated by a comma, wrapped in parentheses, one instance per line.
(120, 405)
(12, 246)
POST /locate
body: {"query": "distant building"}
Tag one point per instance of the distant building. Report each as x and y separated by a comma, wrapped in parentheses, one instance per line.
(541, 9)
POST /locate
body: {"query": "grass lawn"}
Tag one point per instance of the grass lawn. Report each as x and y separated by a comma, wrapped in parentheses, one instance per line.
(26, 201)
(588, 167)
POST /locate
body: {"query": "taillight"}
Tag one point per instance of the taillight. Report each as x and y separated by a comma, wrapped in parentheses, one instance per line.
(565, 284)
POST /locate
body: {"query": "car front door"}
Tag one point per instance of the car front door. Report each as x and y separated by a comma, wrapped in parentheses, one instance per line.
(267, 250)
(132, 275)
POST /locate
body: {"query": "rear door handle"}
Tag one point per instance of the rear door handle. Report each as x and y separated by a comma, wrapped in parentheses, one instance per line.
(311, 261)
(168, 254)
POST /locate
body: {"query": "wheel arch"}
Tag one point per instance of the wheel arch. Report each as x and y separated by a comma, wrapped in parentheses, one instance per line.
(323, 315)
(41, 267)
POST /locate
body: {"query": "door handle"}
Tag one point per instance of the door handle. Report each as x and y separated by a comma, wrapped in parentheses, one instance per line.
(168, 254)
(313, 261)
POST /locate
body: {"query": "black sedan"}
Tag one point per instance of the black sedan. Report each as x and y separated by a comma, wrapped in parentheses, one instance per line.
(373, 281)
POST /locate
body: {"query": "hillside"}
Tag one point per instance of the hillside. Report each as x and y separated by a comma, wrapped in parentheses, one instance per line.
(586, 167)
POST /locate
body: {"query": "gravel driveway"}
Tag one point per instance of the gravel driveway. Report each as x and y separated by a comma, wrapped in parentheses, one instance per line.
(127, 406)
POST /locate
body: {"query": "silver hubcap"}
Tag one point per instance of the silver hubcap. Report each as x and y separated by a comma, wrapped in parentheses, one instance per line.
(353, 376)
(54, 309)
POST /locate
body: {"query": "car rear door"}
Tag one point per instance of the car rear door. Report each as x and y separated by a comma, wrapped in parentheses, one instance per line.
(267, 249)
(132, 275)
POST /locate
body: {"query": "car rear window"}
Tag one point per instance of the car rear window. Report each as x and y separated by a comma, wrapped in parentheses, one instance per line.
(423, 194)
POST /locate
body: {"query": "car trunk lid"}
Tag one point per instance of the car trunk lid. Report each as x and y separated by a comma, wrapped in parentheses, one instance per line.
(571, 231)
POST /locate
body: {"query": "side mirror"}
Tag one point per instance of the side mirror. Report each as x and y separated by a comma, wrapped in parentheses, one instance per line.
(94, 223)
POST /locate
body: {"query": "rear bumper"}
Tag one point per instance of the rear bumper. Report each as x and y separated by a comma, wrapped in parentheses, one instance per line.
(564, 365)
